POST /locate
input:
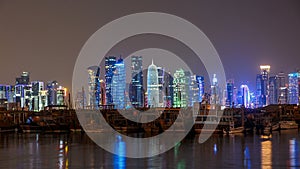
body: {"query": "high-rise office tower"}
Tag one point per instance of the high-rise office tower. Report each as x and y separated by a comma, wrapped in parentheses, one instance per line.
(230, 88)
(161, 93)
(282, 89)
(273, 90)
(245, 96)
(293, 90)
(60, 96)
(37, 88)
(110, 67)
(168, 90)
(119, 85)
(181, 88)
(196, 89)
(52, 93)
(136, 91)
(200, 81)
(262, 85)
(214, 91)
(152, 86)
(94, 94)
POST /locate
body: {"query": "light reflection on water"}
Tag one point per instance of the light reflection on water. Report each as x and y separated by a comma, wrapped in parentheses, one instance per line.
(266, 154)
(78, 151)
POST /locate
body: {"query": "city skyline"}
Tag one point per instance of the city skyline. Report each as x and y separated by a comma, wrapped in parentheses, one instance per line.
(178, 89)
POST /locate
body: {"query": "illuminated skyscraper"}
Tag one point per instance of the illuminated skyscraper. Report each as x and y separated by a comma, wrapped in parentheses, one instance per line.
(293, 90)
(136, 91)
(168, 89)
(262, 85)
(273, 90)
(119, 84)
(52, 92)
(282, 89)
(61, 96)
(37, 88)
(110, 67)
(94, 87)
(152, 86)
(196, 89)
(215, 91)
(230, 88)
(181, 88)
(161, 74)
(245, 96)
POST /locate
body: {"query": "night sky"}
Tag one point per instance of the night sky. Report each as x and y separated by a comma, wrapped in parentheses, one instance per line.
(45, 37)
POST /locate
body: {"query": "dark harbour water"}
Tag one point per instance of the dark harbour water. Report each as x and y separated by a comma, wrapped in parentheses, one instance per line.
(76, 150)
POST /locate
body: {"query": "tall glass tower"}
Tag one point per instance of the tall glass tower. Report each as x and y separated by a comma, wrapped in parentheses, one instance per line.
(110, 67)
(181, 88)
(230, 93)
(94, 87)
(245, 96)
(136, 89)
(152, 86)
(119, 85)
(293, 91)
(168, 89)
(282, 89)
(273, 90)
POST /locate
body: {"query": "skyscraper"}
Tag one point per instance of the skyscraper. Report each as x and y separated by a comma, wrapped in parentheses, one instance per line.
(293, 90)
(273, 90)
(245, 96)
(52, 92)
(37, 88)
(215, 91)
(110, 67)
(119, 84)
(180, 90)
(196, 89)
(152, 86)
(136, 89)
(94, 87)
(168, 89)
(230, 87)
(262, 85)
(161, 74)
(60, 96)
(282, 89)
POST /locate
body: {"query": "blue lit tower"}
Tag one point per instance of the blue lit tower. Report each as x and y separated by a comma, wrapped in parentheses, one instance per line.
(152, 86)
(110, 67)
(273, 90)
(245, 96)
(200, 81)
(94, 87)
(230, 93)
(262, 86)
(196, 89)
(52, 92)
(136, 89)
(119, 85)
(293, 91)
